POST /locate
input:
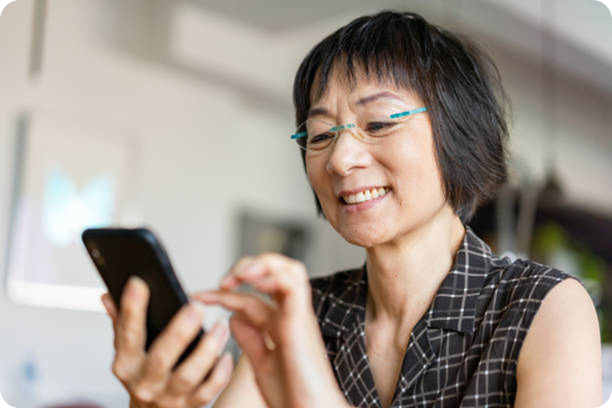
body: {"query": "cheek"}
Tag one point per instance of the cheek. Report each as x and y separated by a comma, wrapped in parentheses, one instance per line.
(316, 176)
(313, 175)
(419, 181)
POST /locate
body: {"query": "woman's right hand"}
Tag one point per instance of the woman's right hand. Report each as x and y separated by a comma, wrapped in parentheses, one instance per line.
(148, 376)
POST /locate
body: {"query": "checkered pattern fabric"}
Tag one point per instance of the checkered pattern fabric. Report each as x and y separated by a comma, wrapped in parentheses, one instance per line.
(463, 352)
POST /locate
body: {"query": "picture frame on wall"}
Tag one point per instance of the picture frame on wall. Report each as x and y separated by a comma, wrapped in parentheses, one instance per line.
(69, 174)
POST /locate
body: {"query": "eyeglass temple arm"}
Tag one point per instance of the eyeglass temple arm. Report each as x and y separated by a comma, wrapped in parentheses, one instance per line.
(298, 135)
(410, 112)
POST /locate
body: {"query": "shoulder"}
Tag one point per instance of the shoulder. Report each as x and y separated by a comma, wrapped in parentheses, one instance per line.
(525, 284)
(524, 271)
(563, 340)
(520, 289)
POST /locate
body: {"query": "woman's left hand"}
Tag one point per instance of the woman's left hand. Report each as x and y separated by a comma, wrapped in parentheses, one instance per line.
(281, 338)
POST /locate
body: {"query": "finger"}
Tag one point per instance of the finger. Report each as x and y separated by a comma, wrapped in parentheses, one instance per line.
(218, 379)
(290, 274)
(250, 268)
(130, 331)
(255, 310)
(273, 284)
(230, 281)
(168, 347)
(249, 338)
(286, 281)
(109, 305)
(192, 371)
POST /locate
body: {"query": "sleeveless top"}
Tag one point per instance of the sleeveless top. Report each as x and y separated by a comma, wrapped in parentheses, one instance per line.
(463, 352)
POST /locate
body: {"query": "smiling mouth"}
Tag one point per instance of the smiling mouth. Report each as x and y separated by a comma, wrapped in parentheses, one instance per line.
(364, 196)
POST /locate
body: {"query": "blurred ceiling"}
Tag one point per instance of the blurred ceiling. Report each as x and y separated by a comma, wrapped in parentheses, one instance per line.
(236, 42)
(573, 34)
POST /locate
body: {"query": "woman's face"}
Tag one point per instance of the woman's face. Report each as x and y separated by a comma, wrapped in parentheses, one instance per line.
(404, 162)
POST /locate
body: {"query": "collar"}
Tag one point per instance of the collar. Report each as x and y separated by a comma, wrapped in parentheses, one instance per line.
(453, 307)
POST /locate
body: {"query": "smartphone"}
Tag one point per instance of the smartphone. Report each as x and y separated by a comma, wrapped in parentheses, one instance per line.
(119, 253)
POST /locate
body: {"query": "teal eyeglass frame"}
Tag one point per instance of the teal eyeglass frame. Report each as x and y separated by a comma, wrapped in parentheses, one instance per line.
(352, 125)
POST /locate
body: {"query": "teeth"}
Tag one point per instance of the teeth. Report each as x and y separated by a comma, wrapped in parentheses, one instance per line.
(365, 195)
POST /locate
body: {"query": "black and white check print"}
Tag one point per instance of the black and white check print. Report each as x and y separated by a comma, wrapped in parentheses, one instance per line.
(463, 352)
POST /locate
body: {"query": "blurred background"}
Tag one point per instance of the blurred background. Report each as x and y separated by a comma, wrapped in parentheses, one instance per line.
(177, 115)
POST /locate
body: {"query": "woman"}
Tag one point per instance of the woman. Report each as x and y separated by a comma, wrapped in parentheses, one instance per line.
(402, 130)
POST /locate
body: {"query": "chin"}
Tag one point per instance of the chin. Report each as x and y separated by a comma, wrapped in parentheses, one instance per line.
(363, 237)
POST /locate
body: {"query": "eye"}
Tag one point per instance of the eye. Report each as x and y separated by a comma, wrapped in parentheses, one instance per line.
(320, 138)
(379, 126)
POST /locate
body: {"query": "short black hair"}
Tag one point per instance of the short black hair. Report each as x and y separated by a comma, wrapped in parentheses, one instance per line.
(457, 81)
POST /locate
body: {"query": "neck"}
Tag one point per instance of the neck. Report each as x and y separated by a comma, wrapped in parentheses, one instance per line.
(405, 274)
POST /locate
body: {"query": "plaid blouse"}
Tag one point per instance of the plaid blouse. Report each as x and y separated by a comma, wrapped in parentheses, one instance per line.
(463, 352)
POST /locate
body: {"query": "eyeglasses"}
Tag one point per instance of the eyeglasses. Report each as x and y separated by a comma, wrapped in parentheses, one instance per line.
(373, 124)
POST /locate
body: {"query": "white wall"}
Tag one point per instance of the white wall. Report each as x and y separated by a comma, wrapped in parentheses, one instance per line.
(207, 150)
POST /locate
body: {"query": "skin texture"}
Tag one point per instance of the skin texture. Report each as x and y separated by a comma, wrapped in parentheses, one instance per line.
(559, 363)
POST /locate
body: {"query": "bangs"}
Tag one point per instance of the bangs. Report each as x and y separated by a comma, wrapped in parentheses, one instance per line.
(389, 52)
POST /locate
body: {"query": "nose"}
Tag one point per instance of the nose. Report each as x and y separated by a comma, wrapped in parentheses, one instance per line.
(347, 153)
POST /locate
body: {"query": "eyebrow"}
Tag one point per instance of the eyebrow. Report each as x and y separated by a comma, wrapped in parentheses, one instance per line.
(361, 101)
(378, 95)
(317, 111)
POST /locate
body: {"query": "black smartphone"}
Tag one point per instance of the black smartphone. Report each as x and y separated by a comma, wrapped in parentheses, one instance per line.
(119, 253)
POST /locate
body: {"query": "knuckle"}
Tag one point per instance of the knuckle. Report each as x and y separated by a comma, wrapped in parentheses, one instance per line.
(299, 268)
(142, 393)
(156, 363)
(119, 369)
(204, 395)
(184, 380)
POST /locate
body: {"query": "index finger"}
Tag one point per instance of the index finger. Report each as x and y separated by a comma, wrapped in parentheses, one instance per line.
(281, 273)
